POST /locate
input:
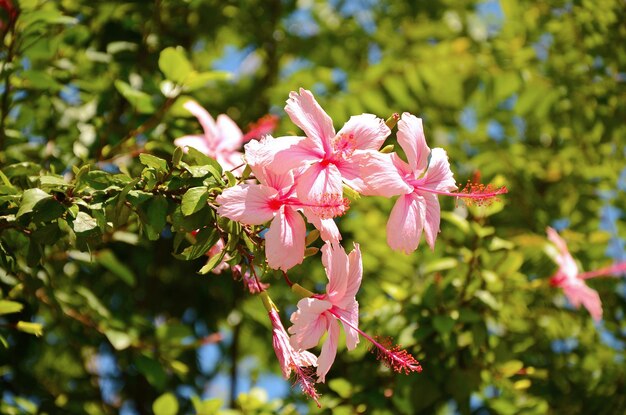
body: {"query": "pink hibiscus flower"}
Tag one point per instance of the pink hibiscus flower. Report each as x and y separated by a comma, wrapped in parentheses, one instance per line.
(318, 314)
(221, 139)
(419, 182)
(572, 281)
(275, 200)
(328, 159)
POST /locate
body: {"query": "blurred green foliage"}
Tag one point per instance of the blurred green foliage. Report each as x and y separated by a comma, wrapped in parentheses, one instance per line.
(531, 94)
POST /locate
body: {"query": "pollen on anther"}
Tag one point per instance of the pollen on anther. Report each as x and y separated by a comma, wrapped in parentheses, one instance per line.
(330, 206)
(479, 194)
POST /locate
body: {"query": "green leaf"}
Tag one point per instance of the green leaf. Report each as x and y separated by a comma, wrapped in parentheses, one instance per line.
(174, 64)
(206, 407)
(84, 223)
(30, 198)
(119, 340)
(152, 370)
(205, 239)
(443, 324)
(9, 307)
(194, 200)
(196, 80)
(341, 386)
(53, 181)
(22, 169)
(35, 329)
(166, 404)
(156, 216)
(141, 101)
(510, 368)
(203, 160)
(153, 161)
(108, 260)
(212, 263)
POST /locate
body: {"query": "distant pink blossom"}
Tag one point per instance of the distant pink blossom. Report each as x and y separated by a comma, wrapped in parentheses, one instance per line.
(572, 281)
(327, 159)
(262, 127)
(274, 200)
(217, 250)
(418, 182)
(220, 140)
(292, 360)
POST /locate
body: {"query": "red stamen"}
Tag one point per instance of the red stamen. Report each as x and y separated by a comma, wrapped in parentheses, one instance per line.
(480, 194)
(329, 205)
(344, 144)
(394, 357)
(304, 379)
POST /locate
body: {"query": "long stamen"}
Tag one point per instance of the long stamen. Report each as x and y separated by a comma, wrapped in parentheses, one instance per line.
(472, 194)
(304, 379)
(606, 271)
(396, 358)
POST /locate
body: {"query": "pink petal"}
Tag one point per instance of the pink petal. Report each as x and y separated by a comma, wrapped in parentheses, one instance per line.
(381, 176)
(247, 204)
(565, 261)
(406, 222)
(282, 154)
(411, 139)
(351, 314)
(229, 159)
(579, 293)
(205, 119)
(308, 323)
(284, 242)
(327, 227)
(368, 130)
(431, 224)
(329, 350)
(336, 263)
(355, 272)
(439, 176)
(230, 136)
(198, 142)
(319, 180)
(307, 114)
(556, 239)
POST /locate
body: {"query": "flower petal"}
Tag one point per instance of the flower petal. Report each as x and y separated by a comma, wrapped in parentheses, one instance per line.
(230, 136)
(308, 323)
(355, 272)
(405, 224)
(411, 139)
(336, 263)
(381, 175)
(284, 242)
(247, 204)
(439, 176)
(368, 131)
(567, 266)
(329, 350)
(282, 154)
(205, 119)
(432, 218)
(319, 180)
(327, 227)
(307, 114)
(351, 314)
(579, 293)
(198, 142)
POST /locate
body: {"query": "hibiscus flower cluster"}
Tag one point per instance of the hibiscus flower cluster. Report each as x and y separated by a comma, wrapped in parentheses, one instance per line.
(298, 178)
